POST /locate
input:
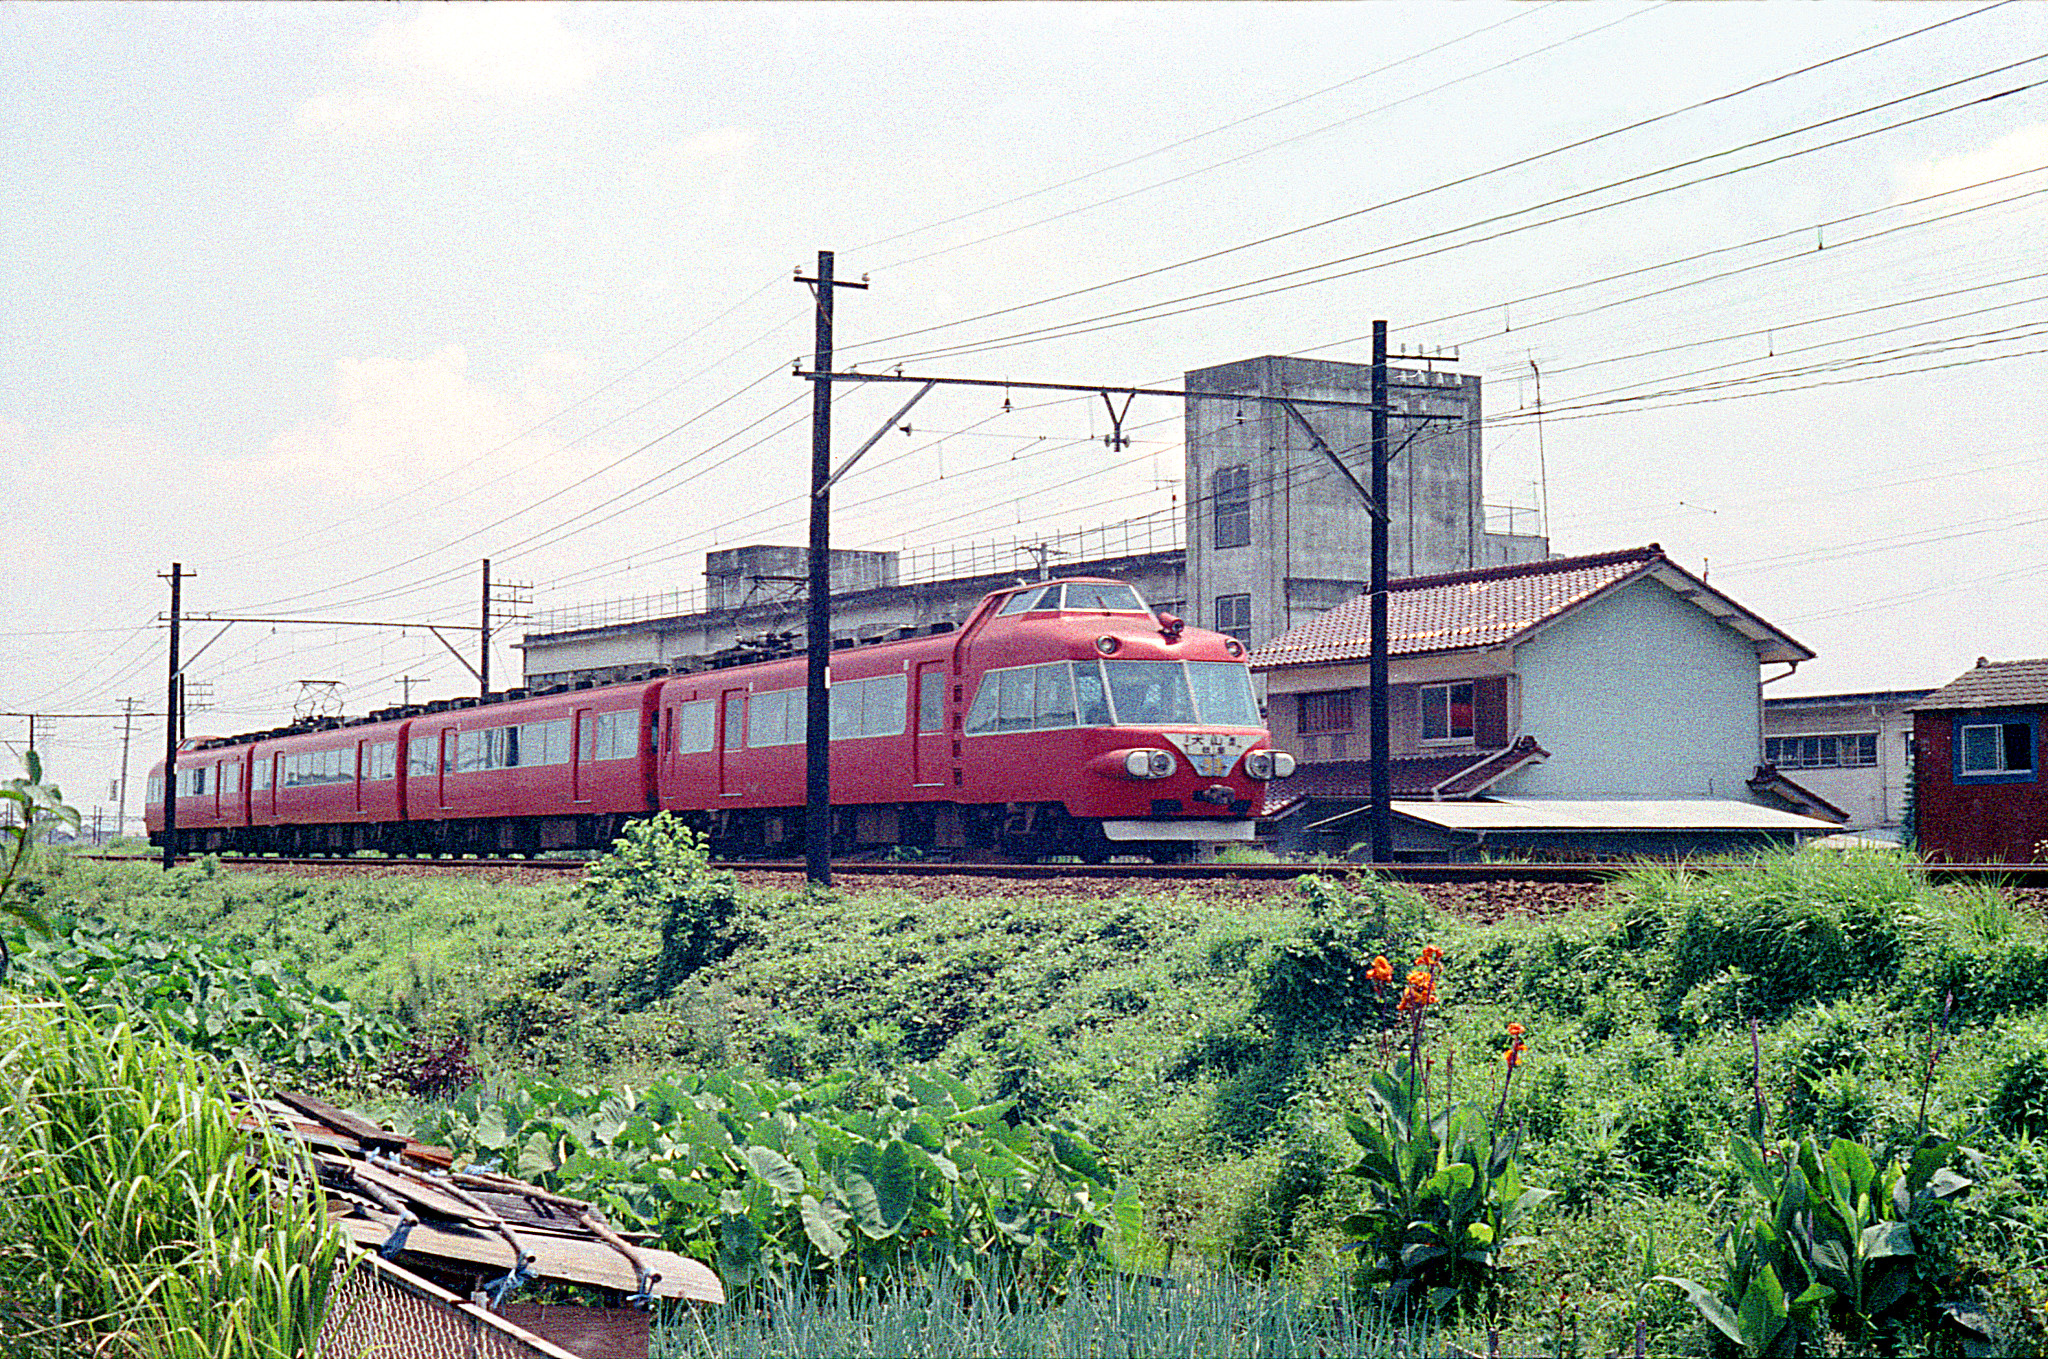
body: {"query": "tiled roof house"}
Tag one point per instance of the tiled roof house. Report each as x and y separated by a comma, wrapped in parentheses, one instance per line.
(1617, 679)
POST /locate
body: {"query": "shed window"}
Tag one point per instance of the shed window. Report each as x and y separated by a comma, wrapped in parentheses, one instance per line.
(1996, 748)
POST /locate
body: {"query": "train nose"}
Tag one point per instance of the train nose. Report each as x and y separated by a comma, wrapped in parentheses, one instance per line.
(1217, 794)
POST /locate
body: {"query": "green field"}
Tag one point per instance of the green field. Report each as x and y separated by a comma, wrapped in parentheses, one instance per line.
(1180, 1082)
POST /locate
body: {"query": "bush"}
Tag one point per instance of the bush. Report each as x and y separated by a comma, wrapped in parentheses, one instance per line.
(658, 879)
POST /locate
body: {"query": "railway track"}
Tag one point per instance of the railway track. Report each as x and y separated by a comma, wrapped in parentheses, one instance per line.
(2021, 875)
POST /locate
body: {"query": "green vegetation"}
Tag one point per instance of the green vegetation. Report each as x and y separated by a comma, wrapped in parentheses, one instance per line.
(1236, 1067)
(137, 1223)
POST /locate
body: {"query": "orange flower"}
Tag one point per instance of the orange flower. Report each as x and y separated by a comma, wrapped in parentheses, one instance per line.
(1513, 1056)
(1431, 956)
(1380, 971)
(1516, 1030)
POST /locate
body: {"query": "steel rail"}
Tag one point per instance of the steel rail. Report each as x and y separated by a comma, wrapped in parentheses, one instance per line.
(2023, 875)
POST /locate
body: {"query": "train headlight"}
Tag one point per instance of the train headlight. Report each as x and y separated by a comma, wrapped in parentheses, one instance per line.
(1259, 765)
(1234, 647)
(1108, 646)
(1150, 764)
(1283, 765)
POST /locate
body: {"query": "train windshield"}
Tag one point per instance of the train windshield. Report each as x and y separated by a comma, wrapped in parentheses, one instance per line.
(1076, 596)
(1223, 694)
(1113, 693)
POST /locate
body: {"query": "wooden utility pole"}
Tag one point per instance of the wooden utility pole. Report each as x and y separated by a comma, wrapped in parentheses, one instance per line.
(173, 713)
(121, 803)
(818, 705)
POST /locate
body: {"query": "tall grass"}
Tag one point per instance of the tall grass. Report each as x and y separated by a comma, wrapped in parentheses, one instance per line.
(941, 1315)
(146, 1221)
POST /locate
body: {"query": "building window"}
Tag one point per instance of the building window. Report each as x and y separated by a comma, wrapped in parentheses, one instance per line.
(1230, 498)
(1234, 617)
(1849, 750)
(1447, 712)
(1321, 713)
(2000, 752)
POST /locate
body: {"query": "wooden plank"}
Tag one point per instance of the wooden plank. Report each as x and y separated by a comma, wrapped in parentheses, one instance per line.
(555, 1258)
(341, 1121)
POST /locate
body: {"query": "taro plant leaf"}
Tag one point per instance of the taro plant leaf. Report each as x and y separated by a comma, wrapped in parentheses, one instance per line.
(1885, 1240)
(895, 1182)
(777, 1169)
(821, 1224)
(866, 1204)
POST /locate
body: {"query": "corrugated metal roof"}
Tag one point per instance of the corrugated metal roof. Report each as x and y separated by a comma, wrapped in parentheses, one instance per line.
(1992, 684)
(1612, 815)
(1499, 604)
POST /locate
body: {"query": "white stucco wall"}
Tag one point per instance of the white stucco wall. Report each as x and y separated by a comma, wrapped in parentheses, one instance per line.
(1639, 694)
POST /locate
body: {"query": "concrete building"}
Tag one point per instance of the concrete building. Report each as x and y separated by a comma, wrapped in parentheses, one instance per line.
(1979, 742)
(1276, 534)
(1603, 704)
(1252, 480)
(1852, 749)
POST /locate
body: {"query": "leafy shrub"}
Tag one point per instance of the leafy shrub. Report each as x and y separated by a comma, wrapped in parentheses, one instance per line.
(430, 1068)
(1444, 1196)
(218, 1000)
(2019, 1103)
(1827, 1243)
(658, 878)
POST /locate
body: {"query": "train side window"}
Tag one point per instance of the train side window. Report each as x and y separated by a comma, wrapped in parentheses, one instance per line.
(693, 728)
(982, 716)
(1089, 704)
(421, 754)
(735, 720)
(1055, 696)
(259, 776)
(1014, 702)
(931, 701)
(846, 715)
(883, 699)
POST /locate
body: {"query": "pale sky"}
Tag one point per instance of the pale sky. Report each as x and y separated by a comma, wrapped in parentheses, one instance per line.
(330, 301)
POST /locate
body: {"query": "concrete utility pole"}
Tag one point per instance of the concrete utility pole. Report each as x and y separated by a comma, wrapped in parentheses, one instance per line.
(818, 706)
(483, 641)
(1382, 813)
(173, 714)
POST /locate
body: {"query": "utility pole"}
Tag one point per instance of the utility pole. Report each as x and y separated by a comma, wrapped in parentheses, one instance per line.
(483, 641)
(1382, 812)
(121, 802)
(818, 708)
(173, 710)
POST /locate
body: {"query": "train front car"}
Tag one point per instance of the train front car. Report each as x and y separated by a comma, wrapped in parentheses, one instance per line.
(1145, 731)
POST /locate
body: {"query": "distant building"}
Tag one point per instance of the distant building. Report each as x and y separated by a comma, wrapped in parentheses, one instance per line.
(1604, 704)
(1852, 749)
(1277, 535)
(1977, 751)
(1253, 476)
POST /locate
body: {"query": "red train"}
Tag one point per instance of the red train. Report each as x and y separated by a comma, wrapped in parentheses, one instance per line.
(1064, 718)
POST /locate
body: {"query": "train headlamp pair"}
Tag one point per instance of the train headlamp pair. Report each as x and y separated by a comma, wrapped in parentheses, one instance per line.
(1268, 764)
(1150, 764)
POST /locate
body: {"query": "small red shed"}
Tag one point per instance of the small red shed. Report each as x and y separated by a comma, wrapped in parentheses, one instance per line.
(1979, 793)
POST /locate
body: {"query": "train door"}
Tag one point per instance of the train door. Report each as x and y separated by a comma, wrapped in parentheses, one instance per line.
(582, 750)
(730, 736)
(931, 751)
